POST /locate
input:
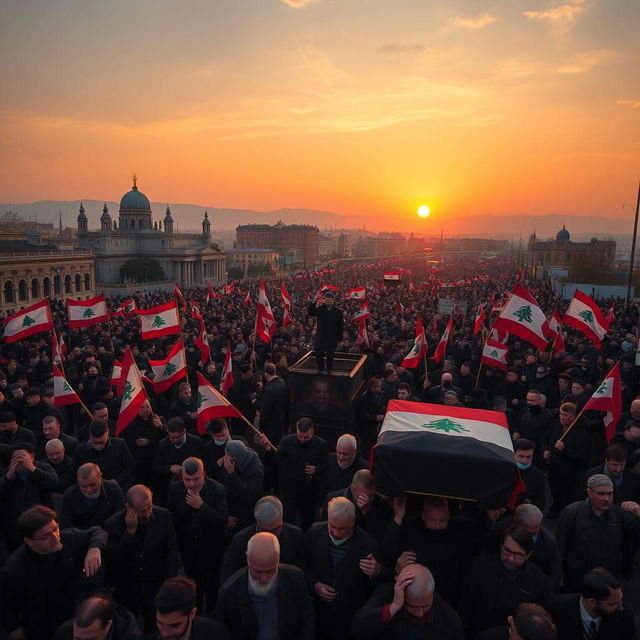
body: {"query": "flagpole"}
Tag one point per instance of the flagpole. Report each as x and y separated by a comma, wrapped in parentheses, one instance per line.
(479, 371)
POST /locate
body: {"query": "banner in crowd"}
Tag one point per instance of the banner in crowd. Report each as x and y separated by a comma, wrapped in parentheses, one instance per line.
(585, 315)
(523, 317)
(85, 313)
(131, 391)
(168, 371)
(159, 321)
(419, 349)
(265, 320)
(63, 394)
(494, 354)
(608, 398)
(211, 404)
(28, 322)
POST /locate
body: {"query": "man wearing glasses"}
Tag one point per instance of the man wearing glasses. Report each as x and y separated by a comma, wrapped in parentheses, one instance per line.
(47, 574)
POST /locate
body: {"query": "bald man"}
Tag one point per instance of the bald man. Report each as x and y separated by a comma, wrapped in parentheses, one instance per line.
(397, 610)
(266, 599)
(143, 552)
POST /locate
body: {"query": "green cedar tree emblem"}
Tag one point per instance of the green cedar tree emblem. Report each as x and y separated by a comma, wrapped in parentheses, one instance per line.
(128, 390)
(494, 354)
(88, 313)
(587, 316)
(66, 387)
(416, 348)
(524, 314)
(28, 321)
(445, 424)
(158, 322)
(602, 388)
(201, 400)
(168, 370)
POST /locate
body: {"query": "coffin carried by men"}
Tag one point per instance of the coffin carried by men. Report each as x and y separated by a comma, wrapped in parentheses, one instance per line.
(453, 452)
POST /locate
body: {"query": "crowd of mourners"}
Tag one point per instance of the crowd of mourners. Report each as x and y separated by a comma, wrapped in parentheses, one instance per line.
(267, 532)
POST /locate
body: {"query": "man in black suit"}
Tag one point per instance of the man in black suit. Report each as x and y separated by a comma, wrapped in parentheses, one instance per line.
(51, 429)
(273, 404)
(61, 463)
(176, 614)
(370, 410)
(185, 407)
(341, 567)
(268, 515)
(532, 477)
(626, 484)
(329, 330)
(596, 613)
(266, 599)
(110, 454)
(343, 464)
(91, 501)
(199, 509)
(143, 552)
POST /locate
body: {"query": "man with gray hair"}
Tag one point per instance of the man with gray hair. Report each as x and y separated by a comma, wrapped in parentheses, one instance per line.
(594, 532)
(341, 568)
(266, 599)
(62, 464)
(268, 516)
(51, 429)
(343, 464)
(199, 508)
(408, 607)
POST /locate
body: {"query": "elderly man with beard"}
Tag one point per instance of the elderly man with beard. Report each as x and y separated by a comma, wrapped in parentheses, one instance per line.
(142, 552)
(343, 464)
(266, 599)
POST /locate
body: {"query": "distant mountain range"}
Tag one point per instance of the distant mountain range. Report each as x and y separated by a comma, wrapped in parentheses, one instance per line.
(188, 217)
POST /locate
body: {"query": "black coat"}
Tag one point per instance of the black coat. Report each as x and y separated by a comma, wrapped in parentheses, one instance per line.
(534, 480)
(70, 445)
(150, 555)
(546, 556)
(534, 424)
(124, 627)
(32, 417)
(565, 611)
(293, 457)
(628, 490)
(632, 449)
(240, 396)
(202, 629)
(330, 326)
(167, 454)
(445, 624)
(38, 592)
(79, 513)
(292, 549)
(273, 409)
(115, 460)
(20, 435)
(139, 428)
(295, 612)
(337, 478)
(180, 409)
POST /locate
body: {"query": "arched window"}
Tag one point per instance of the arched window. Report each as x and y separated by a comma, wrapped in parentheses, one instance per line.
(22, 291)
(9, 293)
(139, 223)
(35, 288)
(57, 285)
(87, 281)
(78, 283)
(46, 287)
(67, 284)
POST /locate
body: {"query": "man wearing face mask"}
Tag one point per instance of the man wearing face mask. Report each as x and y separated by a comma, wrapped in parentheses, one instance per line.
(626, 484)
(533, 424)
(532, 477)
(214, 449)
(91, 501)
(143, 551)
(329, 330)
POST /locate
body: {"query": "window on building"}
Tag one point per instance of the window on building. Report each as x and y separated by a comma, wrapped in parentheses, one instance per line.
(57, 285)
(78, 283)
(9, 293)
(22, 291)
(35, 288)
(67, 284)
(87, 281)
(46, 287)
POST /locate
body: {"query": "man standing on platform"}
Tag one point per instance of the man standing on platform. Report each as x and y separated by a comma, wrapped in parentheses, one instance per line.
(329, 330)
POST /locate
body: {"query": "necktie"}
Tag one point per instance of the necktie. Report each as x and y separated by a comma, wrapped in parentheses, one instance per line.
(590, 631)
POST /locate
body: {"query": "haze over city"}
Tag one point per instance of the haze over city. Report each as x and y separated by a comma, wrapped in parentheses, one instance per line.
(363, 108)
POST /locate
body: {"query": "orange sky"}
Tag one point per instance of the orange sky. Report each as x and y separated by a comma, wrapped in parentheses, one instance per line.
(366, 107)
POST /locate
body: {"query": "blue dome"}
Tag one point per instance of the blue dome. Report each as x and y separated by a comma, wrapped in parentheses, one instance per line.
(135, 201)
(563, 235)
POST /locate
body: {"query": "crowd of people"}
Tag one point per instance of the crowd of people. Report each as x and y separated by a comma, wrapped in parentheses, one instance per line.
(267, 531)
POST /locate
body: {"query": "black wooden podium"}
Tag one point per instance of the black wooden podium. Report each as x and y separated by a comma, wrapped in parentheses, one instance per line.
(328, 399)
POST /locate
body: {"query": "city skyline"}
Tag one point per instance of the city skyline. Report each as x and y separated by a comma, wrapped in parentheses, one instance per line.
(362, 108)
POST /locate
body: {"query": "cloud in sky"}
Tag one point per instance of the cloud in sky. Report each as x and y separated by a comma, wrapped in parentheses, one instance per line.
(297, 4)
(475, 23)
(563, 14)
(634, 104)
(587, 60)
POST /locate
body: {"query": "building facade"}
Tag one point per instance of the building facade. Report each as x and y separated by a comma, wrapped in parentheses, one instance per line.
(245, 258)
(29, 273)
(186, 258)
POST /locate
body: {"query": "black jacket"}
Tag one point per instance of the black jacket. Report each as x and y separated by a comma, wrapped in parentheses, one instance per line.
(534, 480)
(143, 456)
(180, 409)
(32, 417)
(292, 549)
(70, 445)
(150, 555)
(293, 457)
(115, 460)
(337, 478)
(81, 513)
(330, 326)
(124, 627)
(295, 612)
(167, 454)
(533, 424)
(202, 629)
(273, 409)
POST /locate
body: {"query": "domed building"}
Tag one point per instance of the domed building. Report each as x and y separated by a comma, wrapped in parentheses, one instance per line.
(565, 258)
(186, 258)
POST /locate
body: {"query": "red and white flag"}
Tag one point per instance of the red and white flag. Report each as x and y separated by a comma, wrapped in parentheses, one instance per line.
(522, 316)
(363, 312)
(116, 373)
(85, 313)
(265, 320)
(56, 349)
(129, 308)
(203, 344)
(359, 293)
(247, 299)
(608, 398)
(442, 345)
(399, 307)
(159, 321)
(211, 404)
(286, 306)
(392, 275)
(168, 371)
(194, 310)
(131, 391)
(363, 335)
(480, 318)
(611, 315)
(178, 294)
(586, 316)
(28, 322)
(211, 294)
(63, 394)
(226, 379)
(558, 347)
(553, 325)
(419, 349)
(494, 354)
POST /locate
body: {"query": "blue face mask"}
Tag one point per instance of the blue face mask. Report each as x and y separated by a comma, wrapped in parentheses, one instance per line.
(220, 443)
(522, 466)
(535, 538)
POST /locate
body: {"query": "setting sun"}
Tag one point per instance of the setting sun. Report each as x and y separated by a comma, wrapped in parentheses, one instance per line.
(424, 211)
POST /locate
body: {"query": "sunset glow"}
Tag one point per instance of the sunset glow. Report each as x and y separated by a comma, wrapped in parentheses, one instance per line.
(424, 211)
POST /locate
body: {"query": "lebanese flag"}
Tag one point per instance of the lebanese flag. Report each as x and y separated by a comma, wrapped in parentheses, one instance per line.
(494, 354)
(129, 308)
(585, 315)
(63, 394)
(168, 371)
(226, 379)
(159, 321)
(392, 275)
(195, 311)
(132, 392)
(499, 336)
(419, 349)
(610, 317)
(212, 405)
(399, 307)
(363, 313)
(85, 313)
(360, 293)
(522, 316)
(203, 344)
(247, 299)
(553, 325)
(412, 287)
(423, 447)
(286, 305)
(116, 373)
(558, 347)
(363, 335)
(265, 320)
(28, 322)
(608, 398)
(442, 345)
(178, 294)
(56, 349)
(480, 318)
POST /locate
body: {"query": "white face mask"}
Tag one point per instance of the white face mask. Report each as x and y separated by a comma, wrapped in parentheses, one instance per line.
(339, 542)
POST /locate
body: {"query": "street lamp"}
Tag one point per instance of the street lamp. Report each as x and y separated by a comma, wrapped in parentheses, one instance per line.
(633, 246)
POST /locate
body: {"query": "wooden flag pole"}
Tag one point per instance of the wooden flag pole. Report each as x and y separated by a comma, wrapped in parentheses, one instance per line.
(479, 372)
